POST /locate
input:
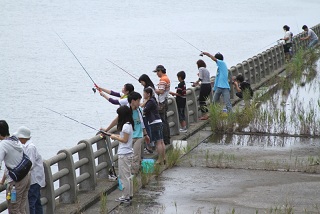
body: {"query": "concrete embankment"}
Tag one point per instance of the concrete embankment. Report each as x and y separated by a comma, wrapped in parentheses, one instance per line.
(89, 201)
(234, 174)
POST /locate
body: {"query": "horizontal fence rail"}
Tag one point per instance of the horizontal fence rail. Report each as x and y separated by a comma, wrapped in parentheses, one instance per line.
(79, 167)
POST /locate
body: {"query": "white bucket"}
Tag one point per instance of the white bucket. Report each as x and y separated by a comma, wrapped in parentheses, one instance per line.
(181, 145)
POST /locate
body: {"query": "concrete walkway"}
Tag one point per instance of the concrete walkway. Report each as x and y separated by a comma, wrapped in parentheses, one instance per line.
(247, 179)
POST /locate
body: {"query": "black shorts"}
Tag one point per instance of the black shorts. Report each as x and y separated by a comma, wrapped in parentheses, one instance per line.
(287, 47)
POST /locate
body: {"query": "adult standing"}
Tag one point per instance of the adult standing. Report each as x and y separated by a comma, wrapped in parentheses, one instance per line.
(11, 153)
(37, 170)
(205, 88)
(311, 36)
(221, 83)
(287, 41)
(163, 92)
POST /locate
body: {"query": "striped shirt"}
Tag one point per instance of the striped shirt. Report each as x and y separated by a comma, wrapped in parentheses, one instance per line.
(164, 84)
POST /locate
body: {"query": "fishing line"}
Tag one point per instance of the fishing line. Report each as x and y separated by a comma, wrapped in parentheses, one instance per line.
(99, 118)
(94, 90)
(103, 132)
(268, 45)
(121, 69)
(184, 40)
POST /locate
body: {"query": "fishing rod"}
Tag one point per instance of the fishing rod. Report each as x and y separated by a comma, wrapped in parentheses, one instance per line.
(184, 40)
(179, 81)
(112, 171)
(93, 89)
(121, 68)
(269, 45)
(103, 132)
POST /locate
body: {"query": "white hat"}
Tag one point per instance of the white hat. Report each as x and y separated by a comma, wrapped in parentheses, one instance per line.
(23, 132)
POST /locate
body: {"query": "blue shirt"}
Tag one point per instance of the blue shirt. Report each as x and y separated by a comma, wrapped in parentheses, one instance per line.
(138, 124)
(221, 80)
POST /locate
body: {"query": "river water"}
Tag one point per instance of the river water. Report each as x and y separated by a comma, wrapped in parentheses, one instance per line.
(38, 71)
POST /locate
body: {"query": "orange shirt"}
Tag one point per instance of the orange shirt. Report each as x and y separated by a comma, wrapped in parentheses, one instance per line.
(164, 84)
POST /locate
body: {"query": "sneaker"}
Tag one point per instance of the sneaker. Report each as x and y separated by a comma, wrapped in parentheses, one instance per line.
(123, 199)
(112, 178)
(147, 151)
(183, 130)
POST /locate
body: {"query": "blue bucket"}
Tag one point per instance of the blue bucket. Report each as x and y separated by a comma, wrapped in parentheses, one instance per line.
(147, 165)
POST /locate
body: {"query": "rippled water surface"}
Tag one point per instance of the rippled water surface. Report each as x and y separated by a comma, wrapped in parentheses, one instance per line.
(38, 71)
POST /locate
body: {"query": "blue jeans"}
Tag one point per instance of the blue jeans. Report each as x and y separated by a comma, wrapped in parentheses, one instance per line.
(312, 43)
(34, 199)
(225, 92)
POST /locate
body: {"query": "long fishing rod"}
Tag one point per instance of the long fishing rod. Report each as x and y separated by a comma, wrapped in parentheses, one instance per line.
(103, 132)
(184, 40)
(121, 68)
(94, 90)
(268, 45)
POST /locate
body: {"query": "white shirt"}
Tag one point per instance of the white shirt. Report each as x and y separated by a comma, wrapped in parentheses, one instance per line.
(288, 35)
(37, 170)
(126, 148)
(204, 75)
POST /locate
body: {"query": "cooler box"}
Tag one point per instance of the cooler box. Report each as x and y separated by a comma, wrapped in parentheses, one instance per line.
(147, 165)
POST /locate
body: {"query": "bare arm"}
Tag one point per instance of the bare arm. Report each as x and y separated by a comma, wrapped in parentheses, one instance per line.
(174, 93)
(112, 124)
(159, 91)
(210, 56)
(236, 85)
(123, 139)
(3, 179)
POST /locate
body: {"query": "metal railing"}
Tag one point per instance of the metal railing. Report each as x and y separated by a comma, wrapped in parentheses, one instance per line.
(80, 166)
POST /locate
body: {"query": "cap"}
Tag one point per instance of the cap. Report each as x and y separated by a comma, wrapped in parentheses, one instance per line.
(160, 68)
(23, 132)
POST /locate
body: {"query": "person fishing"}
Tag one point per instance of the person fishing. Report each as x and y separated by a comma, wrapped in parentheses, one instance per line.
(127, 89)
(311, 36)
(140, 134)
(125, 151)
(146, 82)
(205, 88)
(242, 87)
(163, 92)
(287, 42)
(221, 83)
(154, 120)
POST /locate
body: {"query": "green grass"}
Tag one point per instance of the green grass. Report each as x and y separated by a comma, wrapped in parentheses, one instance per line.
(103, 204)
(173, 157)
(272, 116)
